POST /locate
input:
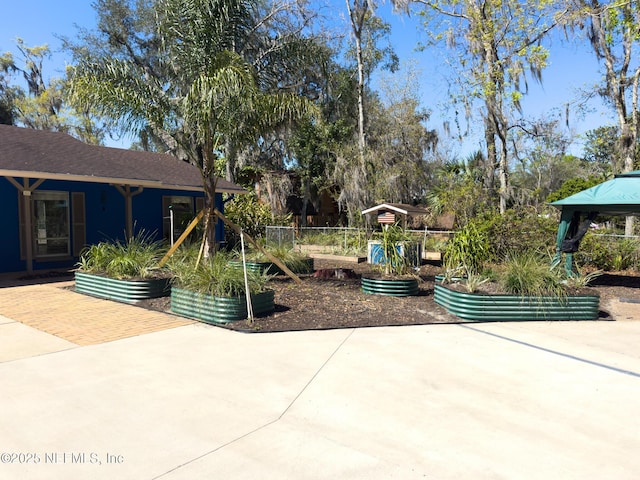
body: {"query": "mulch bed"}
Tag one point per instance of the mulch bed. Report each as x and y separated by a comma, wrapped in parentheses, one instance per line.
(335, 300)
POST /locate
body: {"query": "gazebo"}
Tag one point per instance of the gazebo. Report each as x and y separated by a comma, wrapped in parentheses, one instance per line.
(619, 196)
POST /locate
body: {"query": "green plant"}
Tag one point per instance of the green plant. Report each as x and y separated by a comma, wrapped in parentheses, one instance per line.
(252, 215)
(609, 253)
(137, 257)
(295, 261)
(474, 281)
(214, 276)
(524, 228)
(527, 273)
(580, 280)
(395, 260)
(467, 250)
(434, 244)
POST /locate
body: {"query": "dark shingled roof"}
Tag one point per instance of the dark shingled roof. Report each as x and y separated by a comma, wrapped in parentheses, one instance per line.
(26, 152)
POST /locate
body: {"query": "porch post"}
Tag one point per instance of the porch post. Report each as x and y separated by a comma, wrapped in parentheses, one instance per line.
(128, 207)
(26, 190)
(28, 234)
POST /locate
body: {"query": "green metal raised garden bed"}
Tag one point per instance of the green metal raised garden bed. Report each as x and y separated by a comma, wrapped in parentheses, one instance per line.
(127, 291)
(479, 307)
(216, 310)
(392, 287)
(273, 269)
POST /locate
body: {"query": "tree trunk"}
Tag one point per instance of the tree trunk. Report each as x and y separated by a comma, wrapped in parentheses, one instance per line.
(357, 15)
(306, 196)
(491, 160)
(504, 178)
(231, 153)
(210, 182)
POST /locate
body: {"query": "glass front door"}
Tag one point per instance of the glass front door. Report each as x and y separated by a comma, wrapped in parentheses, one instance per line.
(51, 224)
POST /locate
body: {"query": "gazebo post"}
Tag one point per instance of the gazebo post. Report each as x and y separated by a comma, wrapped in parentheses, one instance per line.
(565, 222)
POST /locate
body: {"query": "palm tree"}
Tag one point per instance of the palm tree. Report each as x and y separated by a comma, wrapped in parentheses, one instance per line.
(201, 98)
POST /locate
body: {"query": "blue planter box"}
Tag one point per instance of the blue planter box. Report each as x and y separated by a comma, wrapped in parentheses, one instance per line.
(412, 252)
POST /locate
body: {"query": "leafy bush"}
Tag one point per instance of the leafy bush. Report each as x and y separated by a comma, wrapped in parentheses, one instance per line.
(252, 215)
(521, 229)
(573, 186)
(137, 257)
(609, 253)
(468, 250)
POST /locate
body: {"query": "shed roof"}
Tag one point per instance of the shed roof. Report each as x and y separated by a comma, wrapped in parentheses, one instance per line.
(619, 196)
(25, 152)
(400, 208)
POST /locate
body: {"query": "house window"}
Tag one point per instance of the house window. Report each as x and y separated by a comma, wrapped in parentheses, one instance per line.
(182, 209)
(51, 233)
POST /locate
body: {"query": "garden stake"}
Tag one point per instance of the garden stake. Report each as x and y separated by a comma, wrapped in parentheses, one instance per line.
(246, 280)
(184, 235)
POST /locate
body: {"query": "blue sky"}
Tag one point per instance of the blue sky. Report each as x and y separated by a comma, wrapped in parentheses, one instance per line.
(571, 68)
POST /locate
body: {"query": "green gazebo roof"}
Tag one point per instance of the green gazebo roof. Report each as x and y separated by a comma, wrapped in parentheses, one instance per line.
(619, 196)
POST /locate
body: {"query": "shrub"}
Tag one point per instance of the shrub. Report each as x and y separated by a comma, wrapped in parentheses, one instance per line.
(573, 186)
(528, 273)
(609, 253)
(522, 229)
(137, 257)
(468, 250)
(252, 215)
(214, 276)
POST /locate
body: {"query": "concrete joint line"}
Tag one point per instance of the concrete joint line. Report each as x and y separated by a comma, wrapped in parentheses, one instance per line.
(272, 422)
(555, 352)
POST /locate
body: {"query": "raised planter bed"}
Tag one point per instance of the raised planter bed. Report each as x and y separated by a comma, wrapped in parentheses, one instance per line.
(431, 255)
(479, 307)
(272, 268)
(219, 310)
(127, 291)
(321, 252)
(258, 267)
(390, 286)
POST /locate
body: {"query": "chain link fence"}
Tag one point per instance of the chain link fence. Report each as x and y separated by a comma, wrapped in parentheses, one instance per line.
(280, 237)
(346, 240)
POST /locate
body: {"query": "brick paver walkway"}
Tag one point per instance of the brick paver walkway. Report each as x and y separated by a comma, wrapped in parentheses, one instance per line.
(78, 318)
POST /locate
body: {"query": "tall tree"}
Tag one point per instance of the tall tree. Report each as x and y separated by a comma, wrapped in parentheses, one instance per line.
(541, 162)
(496, 42)
(402, 145)
(358, 13)
(196, 92)
(613, 34)
(354, 167)
(599, 151)
(41, 105)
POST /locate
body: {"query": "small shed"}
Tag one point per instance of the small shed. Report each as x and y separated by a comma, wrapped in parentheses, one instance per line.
(388, 212)
(619, 196)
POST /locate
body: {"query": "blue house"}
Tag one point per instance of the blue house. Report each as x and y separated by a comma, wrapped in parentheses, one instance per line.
(59, 194)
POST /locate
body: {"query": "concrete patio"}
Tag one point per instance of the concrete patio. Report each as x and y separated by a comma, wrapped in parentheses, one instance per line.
(534, 400)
